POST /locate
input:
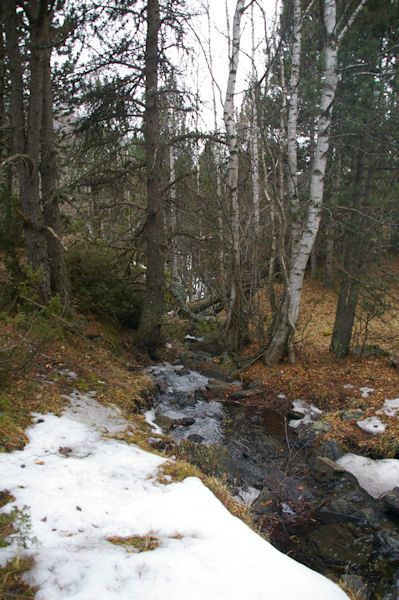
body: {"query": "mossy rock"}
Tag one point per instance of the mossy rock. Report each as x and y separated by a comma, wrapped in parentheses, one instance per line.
(211, 459)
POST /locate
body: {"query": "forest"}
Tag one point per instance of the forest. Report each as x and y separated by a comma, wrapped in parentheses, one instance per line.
(211, 184)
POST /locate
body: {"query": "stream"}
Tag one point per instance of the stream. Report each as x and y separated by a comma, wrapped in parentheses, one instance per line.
(300, 499)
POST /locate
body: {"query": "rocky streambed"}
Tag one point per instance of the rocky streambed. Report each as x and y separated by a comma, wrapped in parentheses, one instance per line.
(301, 499)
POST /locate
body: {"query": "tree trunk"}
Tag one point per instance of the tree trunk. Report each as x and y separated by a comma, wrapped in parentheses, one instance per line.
(27, 139)
(292, 126)
(173, 197)
(344, 317)
(329, 269)
(254, 146)
(313, 261)
(282, 340)
(356, 250)
(236, 322)
(149, 332)
(48, 170)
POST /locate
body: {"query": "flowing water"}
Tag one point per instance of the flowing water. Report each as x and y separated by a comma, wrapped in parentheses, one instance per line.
(329, 524)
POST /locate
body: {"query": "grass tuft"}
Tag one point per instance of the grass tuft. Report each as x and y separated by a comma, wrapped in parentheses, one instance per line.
(12, 585)
(136, 543)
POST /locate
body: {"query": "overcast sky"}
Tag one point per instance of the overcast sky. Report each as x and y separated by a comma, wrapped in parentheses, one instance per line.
(219, 46)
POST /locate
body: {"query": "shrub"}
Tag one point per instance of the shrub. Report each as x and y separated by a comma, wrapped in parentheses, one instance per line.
(106, 285)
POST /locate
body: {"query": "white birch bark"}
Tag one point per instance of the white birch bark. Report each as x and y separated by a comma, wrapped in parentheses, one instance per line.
(305, 244)
(282, 341)
(254, 139)
(220, 220)
(232, 139)
(292, 125)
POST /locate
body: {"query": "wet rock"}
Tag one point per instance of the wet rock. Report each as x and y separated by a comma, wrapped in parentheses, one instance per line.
(350, 415)
(357, 584)
(184, 422)
(198, 396)
(341, 544)
(212, 459)
(162, 387)
(326, 469)
(280, 489)
(394, 361)
(328, 449)
(309, 432)
(391, 500)
(163, 444)
(179, 399)
(345, 500)
(195, 437)
(183, 371)
(165, 423)
(216, 384)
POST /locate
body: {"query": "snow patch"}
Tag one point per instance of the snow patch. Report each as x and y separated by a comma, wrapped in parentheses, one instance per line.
(309, 411)
(390, 408)
(366, 391)
(150, 419)
(375, 476)
(372, 425)
(247, 496)
(80, 488)
(192, 338)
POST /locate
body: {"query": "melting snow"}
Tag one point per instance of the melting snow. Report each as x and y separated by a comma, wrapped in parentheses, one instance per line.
(150, 419)
(79, 488)
(366, 391)
(390, 408)
(193, 338)
(375, 476)
(309, 411)
(247, 496)
(371, 425)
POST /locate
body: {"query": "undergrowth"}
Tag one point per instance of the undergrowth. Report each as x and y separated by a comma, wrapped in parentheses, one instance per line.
(12, 585)
(15, 523)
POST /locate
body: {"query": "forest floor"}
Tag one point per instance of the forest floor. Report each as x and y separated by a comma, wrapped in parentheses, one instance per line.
(99, 355)
(333, 384)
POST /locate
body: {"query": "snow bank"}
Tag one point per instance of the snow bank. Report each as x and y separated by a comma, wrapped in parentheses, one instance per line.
(375, 476)
(81, 488)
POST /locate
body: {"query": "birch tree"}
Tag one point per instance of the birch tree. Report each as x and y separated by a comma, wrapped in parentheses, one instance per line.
(254, 137)
(303, 238)
(236, 321)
